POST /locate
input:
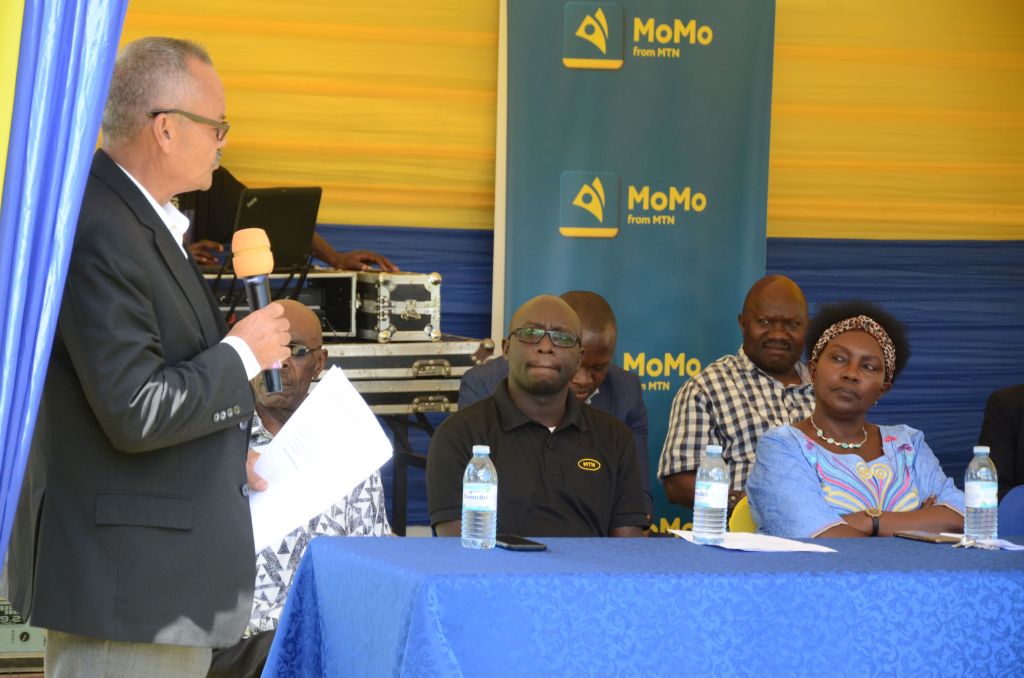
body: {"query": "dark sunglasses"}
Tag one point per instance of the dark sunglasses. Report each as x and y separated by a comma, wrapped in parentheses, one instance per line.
(301, 351)
(533, 335)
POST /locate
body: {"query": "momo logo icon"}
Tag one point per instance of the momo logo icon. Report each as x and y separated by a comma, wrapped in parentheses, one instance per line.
(589, 205)
(592, 35)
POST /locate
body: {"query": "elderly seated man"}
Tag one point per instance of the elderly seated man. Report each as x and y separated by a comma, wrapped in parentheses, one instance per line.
(360, 513)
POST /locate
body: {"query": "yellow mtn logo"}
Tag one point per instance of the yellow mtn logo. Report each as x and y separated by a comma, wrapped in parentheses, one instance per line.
(594, 29)
(589, 464)
(591, 198)
(593, 35)
(588, 204)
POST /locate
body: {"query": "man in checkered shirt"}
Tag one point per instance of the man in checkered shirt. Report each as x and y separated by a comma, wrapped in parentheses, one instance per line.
(738, 397)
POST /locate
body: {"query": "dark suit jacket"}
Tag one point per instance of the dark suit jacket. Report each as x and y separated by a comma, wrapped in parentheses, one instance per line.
(620, 396)
(132, 524)
(1003, 431)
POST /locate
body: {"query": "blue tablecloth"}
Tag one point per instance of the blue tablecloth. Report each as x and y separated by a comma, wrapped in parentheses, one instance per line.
(646, 607)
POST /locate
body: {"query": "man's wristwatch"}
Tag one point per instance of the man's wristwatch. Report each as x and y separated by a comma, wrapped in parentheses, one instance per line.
(875, 513)
(734, 498)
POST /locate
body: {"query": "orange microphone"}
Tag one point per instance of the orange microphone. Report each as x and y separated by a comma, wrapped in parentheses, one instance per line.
(253, 262)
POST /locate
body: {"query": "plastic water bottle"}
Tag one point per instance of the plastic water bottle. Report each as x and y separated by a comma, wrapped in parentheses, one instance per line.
(711, 498)
(479, 500)
(981, 483)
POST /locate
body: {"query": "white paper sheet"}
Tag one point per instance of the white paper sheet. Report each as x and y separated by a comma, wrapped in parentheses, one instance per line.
(330, 445)
(1001, 544)
(750, 541)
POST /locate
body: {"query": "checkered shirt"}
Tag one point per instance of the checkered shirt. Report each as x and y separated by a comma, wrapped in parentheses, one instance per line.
(730, 403)
(361, 513)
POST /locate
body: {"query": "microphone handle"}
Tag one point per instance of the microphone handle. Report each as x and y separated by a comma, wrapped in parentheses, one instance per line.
(257, 289)
(272, 380)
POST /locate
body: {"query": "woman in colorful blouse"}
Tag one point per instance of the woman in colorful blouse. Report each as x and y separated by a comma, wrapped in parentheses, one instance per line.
(835, 474)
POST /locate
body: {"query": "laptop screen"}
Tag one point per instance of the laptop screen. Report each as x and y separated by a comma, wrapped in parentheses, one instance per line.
(288, 215)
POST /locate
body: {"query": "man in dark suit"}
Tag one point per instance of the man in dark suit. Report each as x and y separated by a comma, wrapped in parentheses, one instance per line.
(1003, 431)
(133, 541)
(598, 381)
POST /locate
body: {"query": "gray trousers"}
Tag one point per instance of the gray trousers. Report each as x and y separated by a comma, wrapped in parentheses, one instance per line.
(71, 656)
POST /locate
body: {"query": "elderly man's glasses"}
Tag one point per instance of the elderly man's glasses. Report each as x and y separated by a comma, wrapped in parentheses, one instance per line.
(221, 126)
(301, 351)
(533, 335)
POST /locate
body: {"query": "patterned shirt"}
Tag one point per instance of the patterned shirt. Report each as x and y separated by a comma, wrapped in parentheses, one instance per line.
(799, 489)
(361, 513)
(730, 403)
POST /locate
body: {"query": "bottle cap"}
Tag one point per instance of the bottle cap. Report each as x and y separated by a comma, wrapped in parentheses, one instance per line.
(481, 449)
(715, 450)
(981, 449)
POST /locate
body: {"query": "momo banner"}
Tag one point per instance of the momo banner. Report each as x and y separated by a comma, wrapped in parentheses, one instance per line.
(633, 161)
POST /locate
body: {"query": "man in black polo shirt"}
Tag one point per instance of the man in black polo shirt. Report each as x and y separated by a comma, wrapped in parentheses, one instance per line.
(564, 468)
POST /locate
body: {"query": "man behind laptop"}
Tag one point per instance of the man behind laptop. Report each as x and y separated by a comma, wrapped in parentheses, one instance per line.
(212, 216)
(598, 382)
(133, 541)
(360, 513)
(539, 433)
(738, 397)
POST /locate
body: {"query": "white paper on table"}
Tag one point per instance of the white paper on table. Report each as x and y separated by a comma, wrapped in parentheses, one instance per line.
(1002, 544)
(997, 543)
(751, 541)
(330, 444)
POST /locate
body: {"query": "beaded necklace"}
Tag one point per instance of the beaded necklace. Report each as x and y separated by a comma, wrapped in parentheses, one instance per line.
(833, 441)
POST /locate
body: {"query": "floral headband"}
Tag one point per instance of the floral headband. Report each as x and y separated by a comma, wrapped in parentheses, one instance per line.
(869, 325)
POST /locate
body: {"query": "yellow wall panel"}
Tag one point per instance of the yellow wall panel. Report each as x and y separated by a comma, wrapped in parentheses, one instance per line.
(890, 118)
(898, 119)
(390, 106)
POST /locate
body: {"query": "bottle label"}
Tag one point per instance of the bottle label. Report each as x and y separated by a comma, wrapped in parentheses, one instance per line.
(709, 495)
(479, 497)
(980, 495)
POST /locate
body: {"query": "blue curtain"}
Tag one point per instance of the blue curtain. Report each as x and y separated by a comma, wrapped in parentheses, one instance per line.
(64, 65)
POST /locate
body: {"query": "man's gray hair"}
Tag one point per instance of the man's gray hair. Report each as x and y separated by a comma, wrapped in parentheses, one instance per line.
(150, 73)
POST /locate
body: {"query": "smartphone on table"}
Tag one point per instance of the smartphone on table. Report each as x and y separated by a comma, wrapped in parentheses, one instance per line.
(932, 537)
(514, 542)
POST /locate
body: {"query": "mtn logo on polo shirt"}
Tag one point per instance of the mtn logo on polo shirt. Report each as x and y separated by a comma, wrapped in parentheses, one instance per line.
(588, 205)
(592, 35)
(589, 464)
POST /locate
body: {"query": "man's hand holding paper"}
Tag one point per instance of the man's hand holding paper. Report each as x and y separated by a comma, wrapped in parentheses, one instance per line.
(303, 472)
